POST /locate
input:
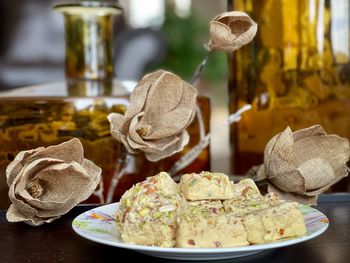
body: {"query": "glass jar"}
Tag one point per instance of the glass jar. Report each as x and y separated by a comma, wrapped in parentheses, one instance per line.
(295, 73)
(78, 107)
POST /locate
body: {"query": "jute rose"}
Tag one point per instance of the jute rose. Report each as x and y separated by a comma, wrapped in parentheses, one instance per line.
(231, 30)
(161, 107)
(46, 183)
(301, 165)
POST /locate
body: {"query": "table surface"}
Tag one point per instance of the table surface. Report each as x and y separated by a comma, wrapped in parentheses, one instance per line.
(57, 242)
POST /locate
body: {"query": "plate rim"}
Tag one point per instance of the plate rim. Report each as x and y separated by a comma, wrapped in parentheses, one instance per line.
(239, 249)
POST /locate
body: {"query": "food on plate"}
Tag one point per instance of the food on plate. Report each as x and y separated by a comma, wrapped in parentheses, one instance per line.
(205, 210)
(205, 225)
(148, 212)
(245, 188)
(214, 206)
(250, 204)
(206, 186)
(281, 221)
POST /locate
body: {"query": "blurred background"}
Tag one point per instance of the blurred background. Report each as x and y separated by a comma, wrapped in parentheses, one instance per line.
(152, 34)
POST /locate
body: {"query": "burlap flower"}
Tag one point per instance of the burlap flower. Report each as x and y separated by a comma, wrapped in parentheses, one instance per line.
(301, 165)
(231, 30)
(46, 183)
(161, 107)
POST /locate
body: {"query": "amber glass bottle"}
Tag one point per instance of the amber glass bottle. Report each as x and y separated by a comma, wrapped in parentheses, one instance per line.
(295, 73)
(78, 107)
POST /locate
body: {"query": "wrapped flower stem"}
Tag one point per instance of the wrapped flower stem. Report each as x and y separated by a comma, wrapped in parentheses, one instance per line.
(194, 80)
(119, 172)
(229, 31)
(191, 155)
(99, 192)
(197, 74)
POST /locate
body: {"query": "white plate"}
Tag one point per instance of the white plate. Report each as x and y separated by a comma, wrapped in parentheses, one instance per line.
(98, 225)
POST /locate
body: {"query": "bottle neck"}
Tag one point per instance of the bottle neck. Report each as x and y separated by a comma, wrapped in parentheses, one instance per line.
(88, 47)
(89, 39)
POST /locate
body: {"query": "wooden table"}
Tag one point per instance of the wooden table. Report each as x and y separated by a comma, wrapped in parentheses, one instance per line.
(57, 242)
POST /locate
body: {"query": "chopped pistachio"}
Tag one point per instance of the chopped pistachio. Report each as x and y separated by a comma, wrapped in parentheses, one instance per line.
(143, 199)
(194, 181)
(143, 212)
(171, 214)
(157, 214)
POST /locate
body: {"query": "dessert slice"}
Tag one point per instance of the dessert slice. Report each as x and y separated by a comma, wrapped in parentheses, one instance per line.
(148, 211)
(243, 205)
(281, 221)
(206, 185)
(204, 224)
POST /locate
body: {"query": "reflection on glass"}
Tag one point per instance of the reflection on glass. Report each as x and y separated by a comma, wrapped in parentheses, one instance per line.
(295, 73)
(78, 107)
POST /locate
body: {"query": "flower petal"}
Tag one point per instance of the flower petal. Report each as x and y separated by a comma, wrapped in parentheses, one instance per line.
(69, 151)
(174, 148)
(17, 164)
(280, 163)
(317, 173)
(307, 132)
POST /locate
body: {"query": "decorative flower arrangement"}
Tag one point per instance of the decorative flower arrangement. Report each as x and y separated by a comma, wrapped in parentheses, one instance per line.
(46, 183)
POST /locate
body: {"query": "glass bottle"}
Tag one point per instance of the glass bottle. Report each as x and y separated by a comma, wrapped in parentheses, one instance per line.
(49, 114)
(295, 73)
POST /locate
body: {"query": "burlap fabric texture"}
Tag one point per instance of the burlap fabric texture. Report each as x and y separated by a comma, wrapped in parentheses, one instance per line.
(161, 107)
(46, 183)
(301, 165)
(231, 30)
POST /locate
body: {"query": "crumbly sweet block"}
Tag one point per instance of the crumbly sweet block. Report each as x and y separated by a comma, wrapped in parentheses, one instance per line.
(268, 225)
(245, 188)
(148, 211)
(250, 204)
(207, 226)
(155, 213)
(206, 185)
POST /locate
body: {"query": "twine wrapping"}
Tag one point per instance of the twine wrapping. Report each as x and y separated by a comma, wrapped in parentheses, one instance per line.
(46, 183)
